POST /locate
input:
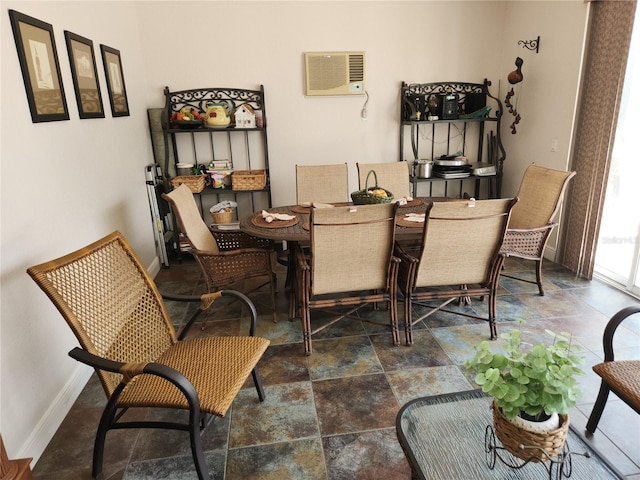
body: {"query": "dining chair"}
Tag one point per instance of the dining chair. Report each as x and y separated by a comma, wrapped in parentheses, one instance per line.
(322, 183)
(531, 223)
(392, 176)
(458, 257)
(120, 320)
(350, 264)
(620, 376)
(224, 257)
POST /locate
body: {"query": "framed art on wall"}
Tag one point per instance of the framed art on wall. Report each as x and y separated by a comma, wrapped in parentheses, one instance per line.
(40, 68)
(115, 81)
(85, 75)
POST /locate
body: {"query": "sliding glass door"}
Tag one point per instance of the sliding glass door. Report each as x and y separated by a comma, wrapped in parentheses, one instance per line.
(618, 251)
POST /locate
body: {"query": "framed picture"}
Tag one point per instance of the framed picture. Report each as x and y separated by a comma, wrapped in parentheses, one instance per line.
(40, 68)
(85, 75)
(115, 81)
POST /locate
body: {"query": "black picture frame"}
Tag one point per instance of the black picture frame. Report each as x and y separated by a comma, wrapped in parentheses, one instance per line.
(38, 58)
(115, 81)
(85, 75)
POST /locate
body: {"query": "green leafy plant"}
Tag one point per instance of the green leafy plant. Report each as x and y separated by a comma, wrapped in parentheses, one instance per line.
(538, 380)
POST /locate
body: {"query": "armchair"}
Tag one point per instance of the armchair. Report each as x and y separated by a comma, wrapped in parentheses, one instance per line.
(540, 195)
(350, 263)
(621, 377)
(459, 256)
(118, 316)
(224, 257)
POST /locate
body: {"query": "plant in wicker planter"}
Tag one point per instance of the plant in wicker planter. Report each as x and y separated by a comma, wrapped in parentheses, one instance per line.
(531, 382)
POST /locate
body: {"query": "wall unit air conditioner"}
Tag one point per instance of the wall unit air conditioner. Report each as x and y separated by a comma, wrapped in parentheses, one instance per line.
(334, 73)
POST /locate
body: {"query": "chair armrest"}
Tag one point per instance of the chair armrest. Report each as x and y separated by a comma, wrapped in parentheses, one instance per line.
(610, 330)
(152, 368)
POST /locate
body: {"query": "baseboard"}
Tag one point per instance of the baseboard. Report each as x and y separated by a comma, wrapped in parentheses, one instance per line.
(154, 268)
(53, 417)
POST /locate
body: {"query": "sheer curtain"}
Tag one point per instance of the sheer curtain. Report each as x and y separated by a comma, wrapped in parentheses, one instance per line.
(609, 36)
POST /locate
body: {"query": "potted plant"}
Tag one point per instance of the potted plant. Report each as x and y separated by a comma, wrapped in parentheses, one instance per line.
(530, 384)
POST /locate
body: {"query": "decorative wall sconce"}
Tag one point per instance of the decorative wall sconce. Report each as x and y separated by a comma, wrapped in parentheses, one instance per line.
(531, 44)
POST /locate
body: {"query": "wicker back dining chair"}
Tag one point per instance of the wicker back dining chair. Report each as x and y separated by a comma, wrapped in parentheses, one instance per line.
(322, 183)
(621, 377)
(459, 257)
(350, 264)
(392, 176)
(531, 222)
(125, 333)
(225, 257)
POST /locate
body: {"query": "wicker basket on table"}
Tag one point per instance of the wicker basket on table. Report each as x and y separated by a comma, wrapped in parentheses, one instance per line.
(512, 436)
(371, 195)
(194, 182)
(248, 179)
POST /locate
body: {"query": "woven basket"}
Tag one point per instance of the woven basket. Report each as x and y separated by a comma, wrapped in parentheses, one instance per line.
(194, 182)
(248, 179)
(513, 436)
(366, 196)
(222, 217)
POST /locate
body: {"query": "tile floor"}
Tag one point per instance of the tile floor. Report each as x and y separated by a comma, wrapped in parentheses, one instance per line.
(331, 415)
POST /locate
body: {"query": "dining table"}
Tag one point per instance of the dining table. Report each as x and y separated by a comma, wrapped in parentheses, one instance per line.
(296, 231)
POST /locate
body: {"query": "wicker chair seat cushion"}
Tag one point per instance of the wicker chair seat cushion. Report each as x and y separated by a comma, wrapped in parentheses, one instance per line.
(623, 376)
(216, 366)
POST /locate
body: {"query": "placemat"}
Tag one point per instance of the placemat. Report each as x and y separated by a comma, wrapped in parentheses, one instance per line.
(258, 221)
(306, 226)
(300, 209)
(403, 222)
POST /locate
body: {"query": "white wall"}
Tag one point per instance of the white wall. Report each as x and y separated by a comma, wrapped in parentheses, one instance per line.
(65, 184)
(546, 99)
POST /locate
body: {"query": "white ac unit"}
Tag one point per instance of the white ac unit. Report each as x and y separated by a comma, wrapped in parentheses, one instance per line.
(334, 73)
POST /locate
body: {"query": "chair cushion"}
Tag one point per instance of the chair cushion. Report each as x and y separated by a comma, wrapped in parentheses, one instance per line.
(623, 376)
(216, 366)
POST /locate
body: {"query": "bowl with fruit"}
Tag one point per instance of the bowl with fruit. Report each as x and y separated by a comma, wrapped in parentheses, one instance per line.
(187, 117)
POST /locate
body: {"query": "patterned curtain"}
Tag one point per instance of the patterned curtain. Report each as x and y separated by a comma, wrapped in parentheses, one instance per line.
(609, 36)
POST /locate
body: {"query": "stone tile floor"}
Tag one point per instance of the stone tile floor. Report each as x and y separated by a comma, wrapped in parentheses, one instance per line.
(331, 415)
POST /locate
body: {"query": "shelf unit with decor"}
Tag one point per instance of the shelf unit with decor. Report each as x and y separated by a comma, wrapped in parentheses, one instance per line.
(244, 145)
(464, 120)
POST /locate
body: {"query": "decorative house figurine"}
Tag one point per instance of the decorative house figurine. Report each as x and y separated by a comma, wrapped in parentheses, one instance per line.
(245, 116)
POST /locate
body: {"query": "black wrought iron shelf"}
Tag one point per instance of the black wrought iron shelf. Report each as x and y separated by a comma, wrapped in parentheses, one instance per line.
(472, 105)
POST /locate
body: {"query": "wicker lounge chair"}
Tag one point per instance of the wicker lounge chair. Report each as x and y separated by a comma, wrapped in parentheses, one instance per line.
(459, 257)
(621, 377)
(351, 264)
(224, 257)
(118, 316)
(531, 221)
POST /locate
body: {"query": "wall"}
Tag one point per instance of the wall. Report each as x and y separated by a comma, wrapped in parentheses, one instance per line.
(89, 172)
(546, 98)
(63, 185)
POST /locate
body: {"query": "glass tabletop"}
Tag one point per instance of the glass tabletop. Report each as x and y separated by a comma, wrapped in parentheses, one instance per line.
(443, 437)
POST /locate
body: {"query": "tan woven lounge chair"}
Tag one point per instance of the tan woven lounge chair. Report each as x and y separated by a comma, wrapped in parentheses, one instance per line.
(621, 377)
(119, 318)
(531, 223)
(224, 257)
(459, 257)
(350, 264)
(392, 176)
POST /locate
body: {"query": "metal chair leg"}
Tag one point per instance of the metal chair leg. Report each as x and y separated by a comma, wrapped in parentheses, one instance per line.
(598, 407)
